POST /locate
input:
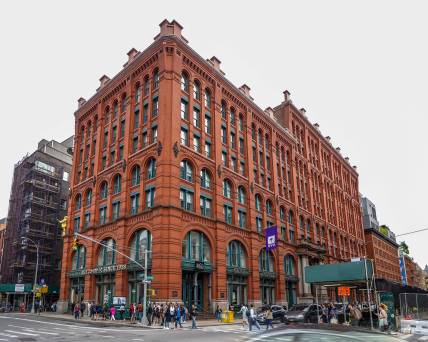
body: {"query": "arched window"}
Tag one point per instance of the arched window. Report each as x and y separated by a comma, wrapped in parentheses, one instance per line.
(78, 261)
(227, 188)
(260, 138)
(123, 103)
(115, 108)
(196, 247)
(88, 197)
(236, 255)
(253, 131)
(241, 122)
(137, 92)
(267, 141)
(196, 90)
(232, 115)
(104, 190)
(282, 213)
(106, 254)
(290, 217)
(184, 82)
(78, 202)
(241, 194)
(151, 168)
(207, 98)
(155, 78)
(141, 241)
(266, 263)
(146, 85)
(186, 170)
(223, 110)
(269, 207)
(135, 175)
(107, 115)
(205, 179)
(289, 264)
(301, 222)
(258, 202)
(117, 184)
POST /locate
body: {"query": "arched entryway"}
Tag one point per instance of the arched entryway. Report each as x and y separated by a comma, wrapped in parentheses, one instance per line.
(267, 277)
(77, 275)
(237, 274)
(291, 279)
(196, 270)
(105, 279)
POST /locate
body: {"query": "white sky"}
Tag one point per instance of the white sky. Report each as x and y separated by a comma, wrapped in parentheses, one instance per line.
(358, 67)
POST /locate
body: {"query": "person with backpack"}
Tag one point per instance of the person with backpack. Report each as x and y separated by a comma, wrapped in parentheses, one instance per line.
(245, 315)
(355, 315)
(193, 316)
(76, 311)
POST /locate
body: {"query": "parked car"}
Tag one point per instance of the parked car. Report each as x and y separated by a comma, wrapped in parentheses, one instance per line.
(278, 313)
(303, 313)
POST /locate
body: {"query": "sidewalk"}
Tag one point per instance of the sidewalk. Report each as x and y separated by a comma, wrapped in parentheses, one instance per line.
(126, 323)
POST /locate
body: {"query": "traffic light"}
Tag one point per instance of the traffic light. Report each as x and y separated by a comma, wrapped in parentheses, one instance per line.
(74, 244)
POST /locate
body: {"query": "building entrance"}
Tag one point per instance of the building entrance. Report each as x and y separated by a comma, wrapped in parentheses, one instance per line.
(77, 290)
(194, 289)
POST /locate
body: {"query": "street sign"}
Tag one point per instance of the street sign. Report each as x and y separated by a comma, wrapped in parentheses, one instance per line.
(44, 290)
(19, 287)
(149, 277)
(344, 291)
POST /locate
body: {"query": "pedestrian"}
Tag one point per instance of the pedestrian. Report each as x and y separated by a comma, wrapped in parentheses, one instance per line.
(324, 314)
(355, 315)
(139, 311)
(193, 316)
(218, 312)
(76, 311)
(178, 317)
(167, 314)
(112, 313)
(253, 318)
(82, 309)
(269, 318)
(150, 314)
(172, 315)
(132, 313)
(183, 313)
(244, 311)
(383, 317)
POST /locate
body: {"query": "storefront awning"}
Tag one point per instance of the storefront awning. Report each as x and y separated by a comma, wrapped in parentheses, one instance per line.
(340, 273)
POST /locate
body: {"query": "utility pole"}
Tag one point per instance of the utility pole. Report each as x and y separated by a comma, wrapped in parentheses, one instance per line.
(35, 273)
(368, 293)
(145, 281)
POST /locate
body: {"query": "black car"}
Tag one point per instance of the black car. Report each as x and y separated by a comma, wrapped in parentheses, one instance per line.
(278, 313)
(303, 313)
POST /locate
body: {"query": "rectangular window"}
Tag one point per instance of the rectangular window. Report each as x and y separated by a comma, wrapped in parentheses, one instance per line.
(268, 163)
(120, 152)
(103, 215)
(103, 162)
(292, 237)
(186, 200)
(87, 220)
(135, 199)
(242, 168)
(234, 164)
(116, 210)
(283, 233)
(122, 128)
(196, 117)
(154, 134)
(135, 144)
(112, 157)
(227, 210)
(65, 176)
(150, 198)
(136, 119)
(259, 224)
(223, 135)
(145, 113)
(261, 159)
(256, 176)
(207, 149)
(205, 204)
(242, 219)
(145, 139)
(241, 146)
(105, 140)
(76, 224)
(184, 137)
(207, 124)
(184, 110)
(224, 158)
(196, 144)
(254, 155)
(155, 109)
(232, 140)
(114, 134)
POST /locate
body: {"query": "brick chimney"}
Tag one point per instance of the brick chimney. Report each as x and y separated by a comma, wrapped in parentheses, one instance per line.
(354, 167)
(303, 111)
(328, 138)
(103, 81)
(215, 62)
(269, 111)
(316, 125)
(246, 90)
(338, 149)
(287, 96)
(172, 28)
(81, 101)
(347, 159)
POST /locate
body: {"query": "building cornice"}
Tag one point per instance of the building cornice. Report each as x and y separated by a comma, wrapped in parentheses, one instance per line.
(383, 237)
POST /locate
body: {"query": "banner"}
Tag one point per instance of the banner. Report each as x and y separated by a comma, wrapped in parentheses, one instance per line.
(403, 274)
(271, 238)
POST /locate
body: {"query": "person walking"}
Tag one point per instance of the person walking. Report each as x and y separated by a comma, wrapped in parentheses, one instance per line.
(355, 315)
(253, 318)
(244, 311)
(82, 309)
(150, 314)
(178, 317)
(269, 318)
(167, 315)
(383, 317)
(76, 311)
(193, 316)
(218, 312)
(132, 311)
(112, 313)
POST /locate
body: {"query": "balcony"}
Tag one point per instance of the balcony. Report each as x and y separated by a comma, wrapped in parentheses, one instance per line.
(242, 271)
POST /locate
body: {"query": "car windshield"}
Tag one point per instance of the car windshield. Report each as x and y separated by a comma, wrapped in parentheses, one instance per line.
(299, 308)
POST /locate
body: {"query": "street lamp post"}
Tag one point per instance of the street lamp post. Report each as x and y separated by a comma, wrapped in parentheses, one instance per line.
(145, 282)
(35, 274)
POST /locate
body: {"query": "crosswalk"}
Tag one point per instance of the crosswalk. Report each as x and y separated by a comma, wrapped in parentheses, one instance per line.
(414, 337)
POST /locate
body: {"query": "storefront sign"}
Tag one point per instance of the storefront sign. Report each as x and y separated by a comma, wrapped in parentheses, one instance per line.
(19, 287)
(271, 237)
(119, 300)
(99, 270)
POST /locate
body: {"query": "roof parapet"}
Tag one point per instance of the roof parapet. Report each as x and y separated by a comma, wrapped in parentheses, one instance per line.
(246, 90)
(104, 79)
(172, 28)
(81, 101)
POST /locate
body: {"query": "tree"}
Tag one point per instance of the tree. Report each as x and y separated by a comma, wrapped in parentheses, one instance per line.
(403, 248)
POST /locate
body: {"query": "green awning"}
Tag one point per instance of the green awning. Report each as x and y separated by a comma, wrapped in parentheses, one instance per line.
(11, 288)
(340, 273)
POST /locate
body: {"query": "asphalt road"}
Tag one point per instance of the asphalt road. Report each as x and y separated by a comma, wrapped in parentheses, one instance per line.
(27, 328)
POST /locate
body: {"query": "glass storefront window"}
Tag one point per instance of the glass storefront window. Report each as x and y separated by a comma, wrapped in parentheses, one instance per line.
(79, 258)
(141, 241)
(106, 255)
(196, 246)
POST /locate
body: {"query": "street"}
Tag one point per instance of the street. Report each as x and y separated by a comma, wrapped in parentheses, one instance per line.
(28, 328)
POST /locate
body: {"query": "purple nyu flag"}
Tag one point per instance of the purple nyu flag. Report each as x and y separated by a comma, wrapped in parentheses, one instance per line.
(271, 236)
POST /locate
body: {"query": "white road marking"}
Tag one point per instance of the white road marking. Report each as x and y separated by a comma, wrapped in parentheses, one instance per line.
(137, 339)
(32, 330)
(423, 338)
(20, 333)
(8, 335)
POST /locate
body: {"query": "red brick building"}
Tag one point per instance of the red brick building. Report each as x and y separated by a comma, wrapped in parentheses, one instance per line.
(171, 156)
(414, 273)
(384, 251)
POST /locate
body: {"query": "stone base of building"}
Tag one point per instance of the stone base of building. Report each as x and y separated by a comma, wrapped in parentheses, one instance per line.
(62, 306)
(256, 303)
(306, 300)
(223, 304)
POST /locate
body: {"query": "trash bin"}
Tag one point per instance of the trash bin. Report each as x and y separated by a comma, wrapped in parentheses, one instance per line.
(224, 316)
(230, 317)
